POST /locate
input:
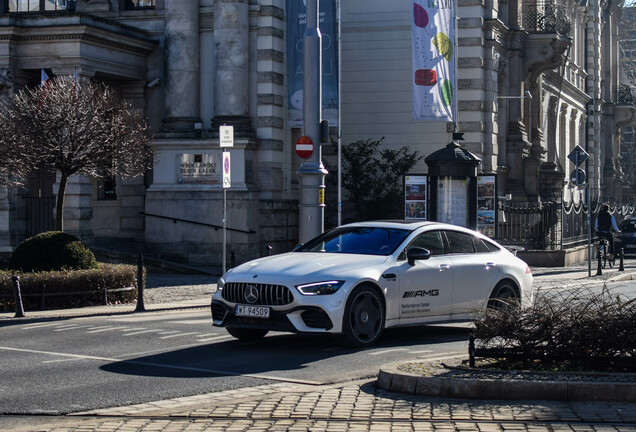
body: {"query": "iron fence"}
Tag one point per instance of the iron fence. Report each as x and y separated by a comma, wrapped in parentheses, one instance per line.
(552, 225)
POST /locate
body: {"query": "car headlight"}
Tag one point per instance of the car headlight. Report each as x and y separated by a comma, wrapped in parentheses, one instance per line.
(219, 284)
(320, 288)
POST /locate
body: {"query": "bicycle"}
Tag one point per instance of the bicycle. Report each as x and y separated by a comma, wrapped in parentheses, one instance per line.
(603, 253)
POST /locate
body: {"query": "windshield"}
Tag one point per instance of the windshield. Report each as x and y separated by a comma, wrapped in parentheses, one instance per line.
(628, 225)
(357, 240)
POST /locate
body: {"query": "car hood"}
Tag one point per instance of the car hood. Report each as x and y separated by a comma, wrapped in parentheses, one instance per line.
(303, 266)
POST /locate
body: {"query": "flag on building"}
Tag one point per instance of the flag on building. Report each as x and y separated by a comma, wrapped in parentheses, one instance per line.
(434, 60)
(44, 78)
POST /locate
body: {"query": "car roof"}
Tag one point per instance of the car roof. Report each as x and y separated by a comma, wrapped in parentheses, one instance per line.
(401, 224)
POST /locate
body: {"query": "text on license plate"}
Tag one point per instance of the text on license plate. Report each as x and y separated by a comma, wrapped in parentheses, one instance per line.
(251, 311)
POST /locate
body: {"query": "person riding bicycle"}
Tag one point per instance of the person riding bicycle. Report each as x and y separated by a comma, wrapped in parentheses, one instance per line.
(604, 225)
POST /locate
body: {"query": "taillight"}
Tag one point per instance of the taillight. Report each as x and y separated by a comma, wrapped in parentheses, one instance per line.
(528, 271)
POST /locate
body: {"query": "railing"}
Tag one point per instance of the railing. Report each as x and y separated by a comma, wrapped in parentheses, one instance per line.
(552, 225)
(216, 227)
(530, 225)
(545, 16)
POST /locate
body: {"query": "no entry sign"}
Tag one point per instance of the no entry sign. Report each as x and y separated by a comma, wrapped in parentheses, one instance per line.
(304, 147)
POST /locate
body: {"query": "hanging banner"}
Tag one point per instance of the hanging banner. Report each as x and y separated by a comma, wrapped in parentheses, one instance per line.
(296, 26)
(434, 59)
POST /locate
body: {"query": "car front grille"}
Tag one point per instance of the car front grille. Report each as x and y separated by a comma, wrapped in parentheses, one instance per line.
(268, 295)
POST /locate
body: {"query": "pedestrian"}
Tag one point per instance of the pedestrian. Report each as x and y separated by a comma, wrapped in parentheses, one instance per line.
(604, 225)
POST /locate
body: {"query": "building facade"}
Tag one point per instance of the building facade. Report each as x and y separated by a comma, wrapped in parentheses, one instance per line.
(534, 80)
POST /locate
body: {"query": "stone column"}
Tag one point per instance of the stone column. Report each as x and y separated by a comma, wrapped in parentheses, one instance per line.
(231, 80)
(181, 40)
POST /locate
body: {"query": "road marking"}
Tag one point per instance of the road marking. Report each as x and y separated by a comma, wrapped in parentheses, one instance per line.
(421, 352)
(385, 351)
(104, 329)
(69, 328)
(169, 332)
(166, 366)
(140, 332)
(177, 335)
(38, 325)
(194, 321)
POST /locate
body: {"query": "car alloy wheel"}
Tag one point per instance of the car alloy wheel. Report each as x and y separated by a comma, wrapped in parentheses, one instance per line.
(364, 317)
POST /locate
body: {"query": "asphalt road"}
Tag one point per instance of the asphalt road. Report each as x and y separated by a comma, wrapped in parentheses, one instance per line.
(63, 365)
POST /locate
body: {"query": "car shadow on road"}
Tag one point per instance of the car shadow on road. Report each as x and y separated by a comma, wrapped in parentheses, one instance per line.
(281, 353)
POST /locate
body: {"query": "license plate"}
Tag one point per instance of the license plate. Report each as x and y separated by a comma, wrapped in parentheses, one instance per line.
(251, 311)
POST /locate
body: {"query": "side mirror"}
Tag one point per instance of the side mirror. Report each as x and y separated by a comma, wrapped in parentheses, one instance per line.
(416, 253)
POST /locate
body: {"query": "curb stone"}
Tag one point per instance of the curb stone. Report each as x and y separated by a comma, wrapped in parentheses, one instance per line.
(451, 381)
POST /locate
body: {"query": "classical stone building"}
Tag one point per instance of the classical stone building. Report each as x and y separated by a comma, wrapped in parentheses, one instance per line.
(535, 79)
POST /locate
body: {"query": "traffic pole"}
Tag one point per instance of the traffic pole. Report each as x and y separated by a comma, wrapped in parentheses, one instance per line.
(312, 171)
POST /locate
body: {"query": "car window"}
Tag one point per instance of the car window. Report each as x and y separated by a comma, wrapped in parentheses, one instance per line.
(360, 240)
(483, 246)
(431, 240)
(628, 225)
(460, 242)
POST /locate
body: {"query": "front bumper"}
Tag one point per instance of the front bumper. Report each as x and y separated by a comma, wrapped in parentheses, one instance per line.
(298, 319)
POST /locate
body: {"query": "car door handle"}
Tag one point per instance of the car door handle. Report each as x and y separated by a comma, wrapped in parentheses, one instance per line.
(443, 267)
(490, 265)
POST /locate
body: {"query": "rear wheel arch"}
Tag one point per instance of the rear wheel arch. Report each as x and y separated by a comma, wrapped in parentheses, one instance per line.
(506, 289)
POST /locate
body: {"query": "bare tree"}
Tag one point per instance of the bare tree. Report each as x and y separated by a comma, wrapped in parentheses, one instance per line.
(75, 128)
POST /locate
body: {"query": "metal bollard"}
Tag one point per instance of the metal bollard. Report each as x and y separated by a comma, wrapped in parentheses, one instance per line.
(269, 250)
(599, 271)
(140, 284)
(621, 266)
(471, 351)
(19, 309)
(232, 259)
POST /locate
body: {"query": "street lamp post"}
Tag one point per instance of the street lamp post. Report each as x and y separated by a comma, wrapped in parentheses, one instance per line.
(312, 172)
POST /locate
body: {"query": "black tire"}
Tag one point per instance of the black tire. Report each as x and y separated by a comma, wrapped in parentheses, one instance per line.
(363, 319)
(505, 296)
(247, 334)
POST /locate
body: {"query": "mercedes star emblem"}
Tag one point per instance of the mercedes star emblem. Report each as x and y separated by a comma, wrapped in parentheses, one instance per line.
(251, 294)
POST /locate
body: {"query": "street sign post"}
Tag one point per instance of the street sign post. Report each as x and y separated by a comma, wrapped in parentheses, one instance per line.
(578, 155)
(226, 139)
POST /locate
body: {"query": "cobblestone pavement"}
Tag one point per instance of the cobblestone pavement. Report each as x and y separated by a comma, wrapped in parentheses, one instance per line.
(350, 407)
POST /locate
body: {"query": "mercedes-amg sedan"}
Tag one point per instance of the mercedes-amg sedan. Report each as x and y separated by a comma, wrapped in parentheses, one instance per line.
(357, 279)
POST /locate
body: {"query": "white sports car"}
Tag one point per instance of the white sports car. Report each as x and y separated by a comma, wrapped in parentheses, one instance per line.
(357, 279)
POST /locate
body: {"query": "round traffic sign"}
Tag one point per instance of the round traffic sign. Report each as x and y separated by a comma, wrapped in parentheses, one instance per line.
(577, 176)
(304, 147)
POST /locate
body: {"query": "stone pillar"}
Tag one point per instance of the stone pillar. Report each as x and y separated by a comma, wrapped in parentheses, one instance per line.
(231, 80)
(181, 39)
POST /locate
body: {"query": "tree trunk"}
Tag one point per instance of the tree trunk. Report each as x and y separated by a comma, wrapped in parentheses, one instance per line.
(59, 209)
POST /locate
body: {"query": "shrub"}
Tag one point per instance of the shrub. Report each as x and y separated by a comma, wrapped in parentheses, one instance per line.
(580, 327)
(68, 289)
(53, 250)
